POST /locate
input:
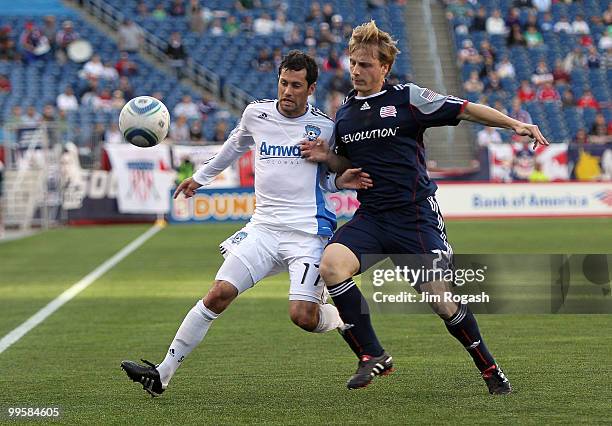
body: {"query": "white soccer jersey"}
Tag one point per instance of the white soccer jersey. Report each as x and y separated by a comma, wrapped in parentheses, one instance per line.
(288, 188)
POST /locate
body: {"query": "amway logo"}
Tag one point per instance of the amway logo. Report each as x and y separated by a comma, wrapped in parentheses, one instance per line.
(278, 151)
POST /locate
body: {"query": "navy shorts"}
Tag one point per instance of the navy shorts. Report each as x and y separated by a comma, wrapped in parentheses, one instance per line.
(415, 229)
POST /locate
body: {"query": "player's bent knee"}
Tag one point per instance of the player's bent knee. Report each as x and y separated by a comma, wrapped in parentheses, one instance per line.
(219, 297)
(337, 264)
(304, 314)
(304, 321)
(326, 271)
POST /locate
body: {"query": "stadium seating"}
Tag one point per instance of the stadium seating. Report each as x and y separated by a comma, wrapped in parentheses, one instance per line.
(39, 82)
(231, 57)
(561, 123)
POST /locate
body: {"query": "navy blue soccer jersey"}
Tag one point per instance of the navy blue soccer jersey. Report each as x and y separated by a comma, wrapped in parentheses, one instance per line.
(383, 134)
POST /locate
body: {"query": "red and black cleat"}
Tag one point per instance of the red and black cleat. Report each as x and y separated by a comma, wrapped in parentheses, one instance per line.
(496, 381)
(370, 367)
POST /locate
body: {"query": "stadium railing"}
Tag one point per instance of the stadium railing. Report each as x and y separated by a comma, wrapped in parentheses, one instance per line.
(236, 97)
(32, 182)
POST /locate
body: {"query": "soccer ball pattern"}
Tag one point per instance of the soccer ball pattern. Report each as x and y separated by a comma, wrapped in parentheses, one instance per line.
(144, 121)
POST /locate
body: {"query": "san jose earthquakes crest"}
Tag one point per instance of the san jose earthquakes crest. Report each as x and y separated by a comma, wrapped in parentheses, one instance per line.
(312, 132)
(239, 237)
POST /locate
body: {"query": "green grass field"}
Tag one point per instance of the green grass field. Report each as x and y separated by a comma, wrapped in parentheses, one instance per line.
(255, 366)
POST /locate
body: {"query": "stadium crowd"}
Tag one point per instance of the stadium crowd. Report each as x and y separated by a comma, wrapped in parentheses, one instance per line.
(543, 61)
(107, 80)
(551, 59)
(244, 41)
(88, 95)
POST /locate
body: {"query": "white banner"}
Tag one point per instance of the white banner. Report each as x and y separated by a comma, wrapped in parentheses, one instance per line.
(144, 177)
(461, 200)
(198, 155)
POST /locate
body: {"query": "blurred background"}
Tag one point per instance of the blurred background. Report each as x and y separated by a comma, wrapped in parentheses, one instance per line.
(68, 67)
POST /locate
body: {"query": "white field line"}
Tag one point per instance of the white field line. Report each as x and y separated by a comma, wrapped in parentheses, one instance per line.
(75, 289)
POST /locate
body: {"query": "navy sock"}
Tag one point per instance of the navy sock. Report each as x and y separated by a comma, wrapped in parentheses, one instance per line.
(355, 313)
(463, 326)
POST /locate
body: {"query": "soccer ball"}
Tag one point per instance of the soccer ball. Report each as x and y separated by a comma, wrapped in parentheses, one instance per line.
(144, 121)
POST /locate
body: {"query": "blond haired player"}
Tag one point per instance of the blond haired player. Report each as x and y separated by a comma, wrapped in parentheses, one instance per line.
(379, 128)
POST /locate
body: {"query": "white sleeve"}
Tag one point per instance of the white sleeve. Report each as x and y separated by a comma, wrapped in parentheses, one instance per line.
(238, 142)
(327, 180)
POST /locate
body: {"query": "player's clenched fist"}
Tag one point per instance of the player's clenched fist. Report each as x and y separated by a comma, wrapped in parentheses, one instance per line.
(188, 187)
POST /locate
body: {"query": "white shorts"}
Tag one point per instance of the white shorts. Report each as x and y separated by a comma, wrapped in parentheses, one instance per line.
(266, 251)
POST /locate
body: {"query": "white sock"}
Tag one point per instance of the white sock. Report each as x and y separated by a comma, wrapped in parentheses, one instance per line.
(189, 335)
(329, 318)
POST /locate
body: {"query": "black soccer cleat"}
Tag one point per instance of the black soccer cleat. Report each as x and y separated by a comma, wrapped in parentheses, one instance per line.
(147, 376)
(496, 381)
(369, 367)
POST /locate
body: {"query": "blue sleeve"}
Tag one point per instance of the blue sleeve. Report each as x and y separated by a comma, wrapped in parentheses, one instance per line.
(432, 109)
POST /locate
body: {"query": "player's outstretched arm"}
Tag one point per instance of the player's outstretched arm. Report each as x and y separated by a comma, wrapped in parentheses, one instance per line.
(318, 151)
(488, 116)
(238, 142)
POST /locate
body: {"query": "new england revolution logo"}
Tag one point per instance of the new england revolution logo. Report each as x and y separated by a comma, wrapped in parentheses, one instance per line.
(312, 132)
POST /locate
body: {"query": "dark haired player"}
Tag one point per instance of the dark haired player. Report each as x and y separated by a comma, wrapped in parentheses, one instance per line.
(380, 129)
(291, 224)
